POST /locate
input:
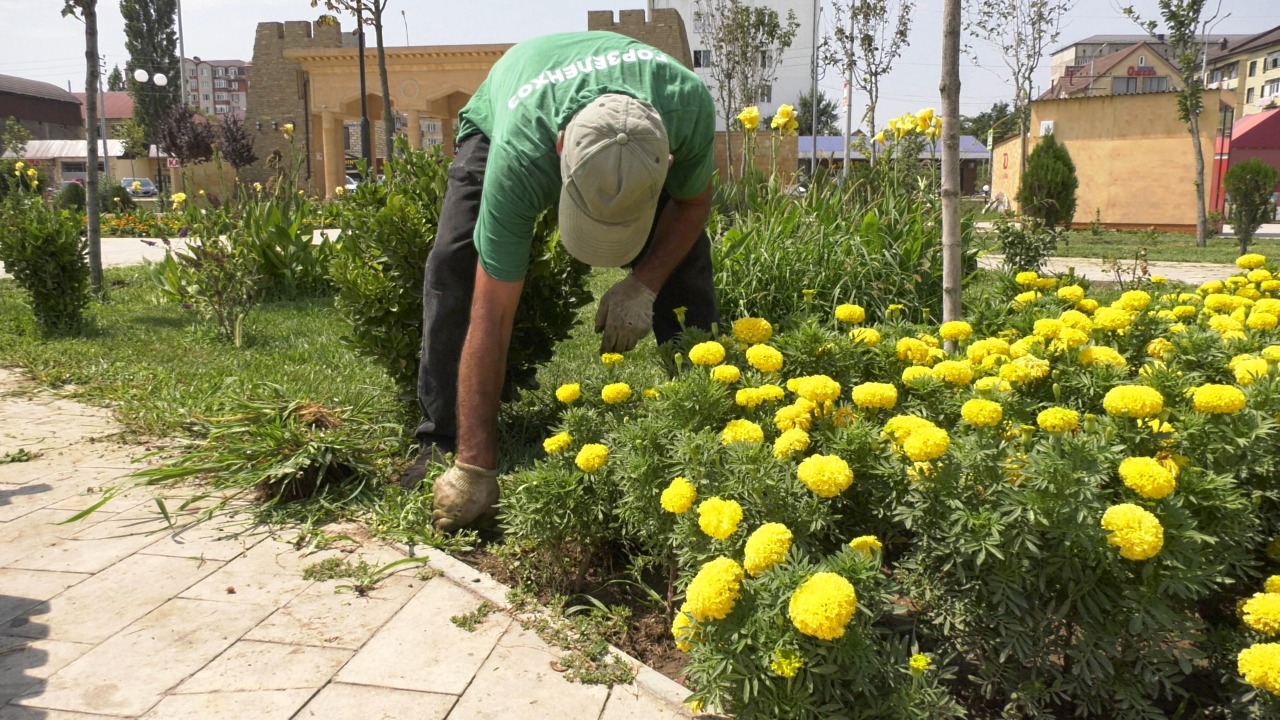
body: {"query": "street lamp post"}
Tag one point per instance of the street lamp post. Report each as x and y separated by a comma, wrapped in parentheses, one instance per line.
(366, 142)
(159, 79)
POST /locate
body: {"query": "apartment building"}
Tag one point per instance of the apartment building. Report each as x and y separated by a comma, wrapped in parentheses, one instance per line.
(217, 87)
(1096, 47)
(1250, 68)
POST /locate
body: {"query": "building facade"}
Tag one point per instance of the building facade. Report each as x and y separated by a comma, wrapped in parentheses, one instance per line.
(1139, 68)
(115, 106)
(1097, 47)
(217, 87)
(1250, 69)
(47, 111)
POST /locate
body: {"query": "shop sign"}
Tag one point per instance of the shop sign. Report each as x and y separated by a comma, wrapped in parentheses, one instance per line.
(1141, 71)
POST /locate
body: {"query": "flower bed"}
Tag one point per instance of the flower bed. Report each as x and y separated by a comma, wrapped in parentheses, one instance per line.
(1054, 517)
(141, 223)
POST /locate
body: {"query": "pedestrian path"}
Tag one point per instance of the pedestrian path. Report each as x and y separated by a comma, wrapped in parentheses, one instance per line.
(115, 616)
(1097, 270)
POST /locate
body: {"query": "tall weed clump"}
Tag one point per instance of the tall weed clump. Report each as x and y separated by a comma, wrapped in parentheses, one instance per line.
(387, 231)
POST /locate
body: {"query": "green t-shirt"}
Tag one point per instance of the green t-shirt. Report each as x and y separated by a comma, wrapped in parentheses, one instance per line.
(531, 94)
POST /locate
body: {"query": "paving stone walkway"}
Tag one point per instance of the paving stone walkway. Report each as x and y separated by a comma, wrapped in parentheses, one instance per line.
(116, 616)
(1094, 269)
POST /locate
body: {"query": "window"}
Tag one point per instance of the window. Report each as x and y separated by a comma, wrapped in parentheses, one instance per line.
(205, 97)
(233, 72)
(221, 72)
(73, 167)
(1142, 60)
(1155, 84)
(191, 72)
(766, 58)
(766, 94)
(235, 98)
(1271, 89)
(220, 96)
(221, 109)
(1253, 68)
(346, 138)
(235, 86)
(1248, 95)
(702, 58)
(204, 72)
(220, 83)
(1124, 85)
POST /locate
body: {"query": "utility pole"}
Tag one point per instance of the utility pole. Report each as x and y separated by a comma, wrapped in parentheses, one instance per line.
(848, 104)
(813, 95)
(366, 142)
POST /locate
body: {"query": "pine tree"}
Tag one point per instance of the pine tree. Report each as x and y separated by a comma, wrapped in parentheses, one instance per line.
(1048, 189)
(115, 81)
(1249, 185)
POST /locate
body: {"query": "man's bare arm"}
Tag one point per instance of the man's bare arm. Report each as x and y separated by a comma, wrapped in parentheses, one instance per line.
(678, 227)
(483, 367)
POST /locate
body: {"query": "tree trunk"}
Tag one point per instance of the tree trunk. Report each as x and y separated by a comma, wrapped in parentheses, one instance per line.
(92, 191)
(1202, 234)
(728, 147)
(950, 88)
(388, 120)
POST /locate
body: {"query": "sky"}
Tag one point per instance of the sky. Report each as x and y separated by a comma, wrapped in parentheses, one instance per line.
(51, 48)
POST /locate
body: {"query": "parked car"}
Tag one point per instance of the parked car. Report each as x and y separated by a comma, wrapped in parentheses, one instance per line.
(352, 182)
(140, 187)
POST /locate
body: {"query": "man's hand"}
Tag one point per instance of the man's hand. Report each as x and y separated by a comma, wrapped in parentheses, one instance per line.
(625, 315)
(464, 494)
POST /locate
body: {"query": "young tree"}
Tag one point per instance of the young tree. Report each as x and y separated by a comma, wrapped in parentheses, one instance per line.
(865, 45)
(15, 137)
(1048, 188)
(1022, 31)
(87, 11)
(1249, 185)
(746, 45)
(235, 143)
(152, 42)
(115, 81)
(186, 135)
(370, 12)
(828, 114)
(1182, 18)
(949, 87)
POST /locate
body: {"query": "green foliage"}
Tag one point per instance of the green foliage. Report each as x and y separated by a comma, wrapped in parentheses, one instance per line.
(828, 113)
(865, 46)
(1250, 186)
(279, 229)
(43, 250)
(71, 197)
(997, 122)
(1025, 243)
(114, 197)
(14, 137)
(151, 39)
(1048, 188)
(387, 230)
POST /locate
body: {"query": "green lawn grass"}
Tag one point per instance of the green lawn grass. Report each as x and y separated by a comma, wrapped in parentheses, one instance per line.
(1176, 247)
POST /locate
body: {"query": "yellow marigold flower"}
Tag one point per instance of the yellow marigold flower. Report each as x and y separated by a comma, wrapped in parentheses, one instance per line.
(557, 443)
(1027, 277)
(823, 605)
(615, 393)
(1087, 305)
(750, 118)
(865, 336)
(1029, 345)
(866, 544)
(1158, 348)
(1102, 355)
(1045, 283)
(926, 443)
(912, 350)
(797, 415)
(1218, 399)
(707, 353)
(1269, 286)
(748, 397)
(678, 497)
(650, 393)
(714, 591)
(826, 475)
(766, 547)
(876, 396)
(611, 359)
(741, 431)
(1271, 353)
(682, 629)
(1133, 401)
(1112, 318)
(900, 427)
(1184, 312)
(1134, 300)
(843, 417)
(1147, 477)
(953, 372)
(1259, 664)
(725, 374)
(815, 388)
(1071, 293)
(1047, 328)
(1137, 533)
(1250, 370)
(919, 663)
(914, 374)
(955, 330)
(569, 393)
(1224, 324)
(1024, 370)
(980, 350)
(1251, 261)
(592, 457)
(1024, 299)
(1159, 280)
(1258, 275)
(1058, 420)
(1261, 321)
(1069, 338)
(764, 358)
(790, 443)
(1220, 303)
(718, 517)
(1272, 584)
(850, 314)
(982, 413)
(1262, 613)
(752, 331)
(786, 663)
(992, 386)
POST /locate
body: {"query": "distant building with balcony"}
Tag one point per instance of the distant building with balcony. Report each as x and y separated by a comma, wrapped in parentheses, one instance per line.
(1096, 47)
(1251, 68)
(217, 87)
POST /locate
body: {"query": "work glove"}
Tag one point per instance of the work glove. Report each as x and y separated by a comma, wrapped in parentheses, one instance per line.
(625, 315)
(462, 495)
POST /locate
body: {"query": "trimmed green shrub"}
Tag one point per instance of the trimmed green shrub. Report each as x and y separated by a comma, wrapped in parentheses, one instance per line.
(1249, 185)
(44, 252)
(70, 197)
(388, 229)
(115, 199)
(1048, 189)
(1025, 243)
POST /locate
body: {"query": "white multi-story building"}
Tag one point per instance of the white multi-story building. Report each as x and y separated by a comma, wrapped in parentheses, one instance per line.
(794, 69)
(217, 87)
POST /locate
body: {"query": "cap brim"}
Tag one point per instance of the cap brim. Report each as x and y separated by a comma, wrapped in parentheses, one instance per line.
(602, 244)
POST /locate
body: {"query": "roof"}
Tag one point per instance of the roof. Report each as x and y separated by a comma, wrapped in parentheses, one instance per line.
(1251, 43)
(119, 104)
(227, 63)
(1258, 131)
(1143, 37)
(1067, 86)
(74, 149)
(34, 88)
(833, 146)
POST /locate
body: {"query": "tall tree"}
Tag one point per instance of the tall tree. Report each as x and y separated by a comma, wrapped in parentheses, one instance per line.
(828, 114)
(115, 81)
(865, 45)
(1022, 31)
(993, 124)
(87, 11)
(949, 87)
(235, 143)
(371, 12)
(746, 45)
(152, 42)
(1182, 19)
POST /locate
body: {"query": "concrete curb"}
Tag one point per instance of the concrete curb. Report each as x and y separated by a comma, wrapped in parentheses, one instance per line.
(649, 681)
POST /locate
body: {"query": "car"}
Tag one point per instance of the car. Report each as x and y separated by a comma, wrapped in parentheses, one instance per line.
(352, 182)
(140, 187)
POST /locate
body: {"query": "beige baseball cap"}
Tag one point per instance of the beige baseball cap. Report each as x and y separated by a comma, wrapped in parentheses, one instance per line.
(612, 168)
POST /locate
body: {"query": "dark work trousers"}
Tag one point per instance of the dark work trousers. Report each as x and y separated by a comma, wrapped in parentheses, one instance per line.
(450, 282)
